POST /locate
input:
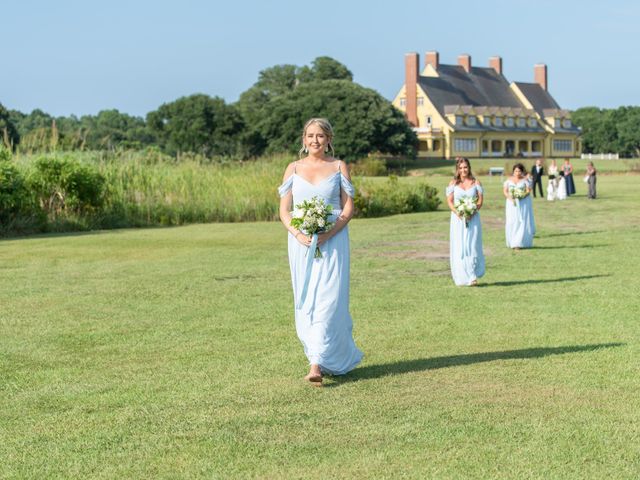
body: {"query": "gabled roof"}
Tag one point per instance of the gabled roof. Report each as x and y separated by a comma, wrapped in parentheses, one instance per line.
(539, 98)
(480, 87)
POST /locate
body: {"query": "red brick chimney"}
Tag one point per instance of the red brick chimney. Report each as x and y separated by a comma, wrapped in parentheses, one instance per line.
(432, 58)
(465, 62)
(540, 75)
(411, 62)
(496, 64)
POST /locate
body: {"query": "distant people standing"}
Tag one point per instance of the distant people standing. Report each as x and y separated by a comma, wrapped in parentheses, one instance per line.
(591, 181)
(537, 172)
(567, 169)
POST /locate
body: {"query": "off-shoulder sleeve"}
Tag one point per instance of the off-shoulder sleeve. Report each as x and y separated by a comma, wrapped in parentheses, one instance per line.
(347, 186)
(506, 183)
(285, 187)
(479, 189)
(449, 190)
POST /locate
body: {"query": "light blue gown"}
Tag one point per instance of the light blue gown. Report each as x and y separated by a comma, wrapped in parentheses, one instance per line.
(520, 225)
(323, 321)
(465, 242)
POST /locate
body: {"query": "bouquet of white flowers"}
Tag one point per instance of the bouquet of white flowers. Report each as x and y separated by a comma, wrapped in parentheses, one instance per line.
(518, 193)
(312, 217)
(466, 206)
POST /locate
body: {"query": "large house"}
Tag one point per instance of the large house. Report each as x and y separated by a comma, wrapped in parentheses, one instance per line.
(463, 110)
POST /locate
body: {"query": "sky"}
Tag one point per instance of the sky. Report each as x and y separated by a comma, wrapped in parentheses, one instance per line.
(81, 57)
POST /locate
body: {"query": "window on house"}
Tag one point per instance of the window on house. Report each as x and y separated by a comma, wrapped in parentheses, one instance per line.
(522, 123)
(533, 122)
(420, 100)
(436, 145)
(498, 121)
(509, 122)
(566, 123)
(556, 122)
(471, 120)
(563, 145)
(403, 102)
(458, 120)
(465, 144)
(429, 120)
(486, 121)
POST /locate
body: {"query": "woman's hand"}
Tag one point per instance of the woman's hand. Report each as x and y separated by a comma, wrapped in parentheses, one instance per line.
(323, 237)
(304, 239)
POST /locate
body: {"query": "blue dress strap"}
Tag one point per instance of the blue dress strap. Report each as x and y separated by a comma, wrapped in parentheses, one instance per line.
(347, 186)
(286, 186)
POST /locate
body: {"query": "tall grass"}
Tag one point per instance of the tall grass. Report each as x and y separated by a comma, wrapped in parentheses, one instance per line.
(148, 188)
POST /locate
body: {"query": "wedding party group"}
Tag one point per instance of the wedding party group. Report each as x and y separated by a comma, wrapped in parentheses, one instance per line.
(316, 205)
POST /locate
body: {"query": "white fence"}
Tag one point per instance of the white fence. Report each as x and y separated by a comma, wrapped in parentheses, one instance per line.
(599, 156)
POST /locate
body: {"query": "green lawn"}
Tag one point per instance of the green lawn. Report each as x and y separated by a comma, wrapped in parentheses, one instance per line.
(171, 353)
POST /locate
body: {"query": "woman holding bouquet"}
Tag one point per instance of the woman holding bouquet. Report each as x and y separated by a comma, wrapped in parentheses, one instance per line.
(520, 225)
(464, 196)
(320, 285)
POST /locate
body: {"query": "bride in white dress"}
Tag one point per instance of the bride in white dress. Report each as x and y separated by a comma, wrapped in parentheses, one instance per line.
(557, 187)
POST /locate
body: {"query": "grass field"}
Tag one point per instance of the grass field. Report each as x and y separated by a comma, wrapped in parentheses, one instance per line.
(171, 353)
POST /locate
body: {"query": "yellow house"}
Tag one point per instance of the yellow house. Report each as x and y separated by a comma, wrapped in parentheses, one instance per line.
(461, 110)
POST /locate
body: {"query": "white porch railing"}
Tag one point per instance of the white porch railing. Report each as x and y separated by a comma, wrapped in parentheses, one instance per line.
(600, 156)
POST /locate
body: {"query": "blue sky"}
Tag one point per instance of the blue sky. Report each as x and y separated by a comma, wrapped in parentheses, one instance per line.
(80, 57)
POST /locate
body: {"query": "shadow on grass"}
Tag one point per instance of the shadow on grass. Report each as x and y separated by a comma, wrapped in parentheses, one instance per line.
(542, 280)
(593, 245)
(568, 234)
(422, 364)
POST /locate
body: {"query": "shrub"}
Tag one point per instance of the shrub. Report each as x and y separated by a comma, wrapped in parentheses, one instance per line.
(374, 199)
(64, 185)
(370, 167)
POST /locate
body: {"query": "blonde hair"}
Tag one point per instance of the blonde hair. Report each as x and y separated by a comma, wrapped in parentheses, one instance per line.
(325, 126)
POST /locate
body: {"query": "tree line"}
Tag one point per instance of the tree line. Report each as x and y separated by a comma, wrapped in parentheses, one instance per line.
(614, 130)
(266, 119)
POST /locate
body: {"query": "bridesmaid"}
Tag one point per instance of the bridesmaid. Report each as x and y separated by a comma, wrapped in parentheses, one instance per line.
(321, 285)
(520, 225)
(591, 180)
(465, 240)
(567, 168)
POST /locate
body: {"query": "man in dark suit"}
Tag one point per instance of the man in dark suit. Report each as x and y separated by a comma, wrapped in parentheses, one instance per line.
(537, 172)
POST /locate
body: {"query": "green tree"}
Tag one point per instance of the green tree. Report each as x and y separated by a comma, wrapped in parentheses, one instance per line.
(324, 68)
(364, 121)
(199, 124)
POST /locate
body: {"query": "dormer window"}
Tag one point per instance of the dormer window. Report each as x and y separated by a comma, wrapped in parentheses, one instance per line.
(509, 122)
(486, 121)
(471, 121)
(458, 120)
(533, 122)
(497, 121)
(522, 123)
(566, 123)
(556, 123)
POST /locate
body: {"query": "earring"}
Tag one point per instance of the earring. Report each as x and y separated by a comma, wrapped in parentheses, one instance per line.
(306, 150)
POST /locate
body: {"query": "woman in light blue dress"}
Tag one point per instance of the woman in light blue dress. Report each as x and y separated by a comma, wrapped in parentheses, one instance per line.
(321, 285)
(465, 234)
(520, 225)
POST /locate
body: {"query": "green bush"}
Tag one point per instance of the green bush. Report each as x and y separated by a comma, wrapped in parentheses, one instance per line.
(18, 213)
(375, 199)
(5, 153)
(370, 167)
(64, 185)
